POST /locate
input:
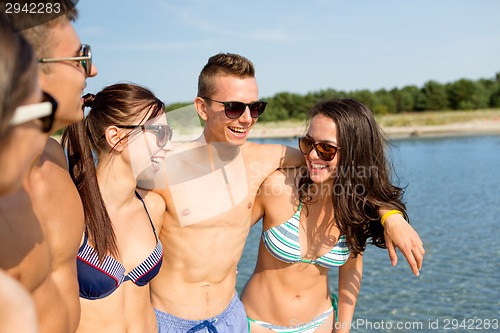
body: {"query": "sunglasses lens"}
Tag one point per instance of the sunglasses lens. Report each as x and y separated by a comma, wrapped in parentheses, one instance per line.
(257, 108)
(325, 151)
(161, 136)
(164, 135)
(305, 145)
(234, 110)
(48, 121)
(86, 64)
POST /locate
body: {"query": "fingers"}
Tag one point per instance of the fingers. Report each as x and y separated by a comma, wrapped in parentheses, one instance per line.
(403, 237)
(412, 261)
(414, 254)
(417, 250)
(393, 256)
(419, 255)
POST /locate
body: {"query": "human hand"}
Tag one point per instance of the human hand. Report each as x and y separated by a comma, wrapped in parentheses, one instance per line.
(399, 233)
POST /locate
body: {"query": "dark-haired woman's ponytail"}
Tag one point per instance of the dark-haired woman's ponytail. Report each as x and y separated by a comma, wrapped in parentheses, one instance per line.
(88, 100)
(82, 170)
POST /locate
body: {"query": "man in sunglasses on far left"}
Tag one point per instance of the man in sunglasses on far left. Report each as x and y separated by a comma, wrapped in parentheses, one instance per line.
(45, 220)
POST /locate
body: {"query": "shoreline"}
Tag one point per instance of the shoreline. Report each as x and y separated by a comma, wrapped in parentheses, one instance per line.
(285, 130)
(482, 127)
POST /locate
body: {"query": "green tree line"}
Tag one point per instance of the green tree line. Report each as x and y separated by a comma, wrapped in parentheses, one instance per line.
(463, 94)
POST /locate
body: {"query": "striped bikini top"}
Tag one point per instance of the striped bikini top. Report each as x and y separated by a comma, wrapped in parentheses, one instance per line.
(282, 242)
(98, 280)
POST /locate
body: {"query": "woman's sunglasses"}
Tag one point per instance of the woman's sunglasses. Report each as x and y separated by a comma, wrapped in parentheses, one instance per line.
(163, 132)
(234, 110)
(85, 59)
(44, 111)
(324, 150)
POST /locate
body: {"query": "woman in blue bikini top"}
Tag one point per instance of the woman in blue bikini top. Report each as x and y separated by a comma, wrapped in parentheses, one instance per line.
(120, 253)
(334, 207)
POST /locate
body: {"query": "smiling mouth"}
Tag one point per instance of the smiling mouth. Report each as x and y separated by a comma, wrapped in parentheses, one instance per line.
(238, 130)
(156, 163)
(317, 166)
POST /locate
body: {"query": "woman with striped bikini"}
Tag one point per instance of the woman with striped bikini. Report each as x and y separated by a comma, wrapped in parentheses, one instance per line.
(321, 218)
(120, 251)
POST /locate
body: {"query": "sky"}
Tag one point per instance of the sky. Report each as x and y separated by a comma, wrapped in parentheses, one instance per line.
(297, 46)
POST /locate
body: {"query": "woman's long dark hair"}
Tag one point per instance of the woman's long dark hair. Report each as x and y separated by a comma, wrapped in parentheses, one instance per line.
(120, 105)
(362, 181)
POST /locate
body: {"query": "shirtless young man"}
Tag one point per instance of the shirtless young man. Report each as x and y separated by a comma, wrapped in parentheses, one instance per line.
(42, 224)
(209, 198)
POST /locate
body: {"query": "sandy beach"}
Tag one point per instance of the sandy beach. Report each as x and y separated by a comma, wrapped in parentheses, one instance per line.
(478, 127)
(423, 124)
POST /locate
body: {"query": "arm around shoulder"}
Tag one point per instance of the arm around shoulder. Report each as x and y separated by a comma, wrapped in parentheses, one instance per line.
(292, 157)
(275, 156)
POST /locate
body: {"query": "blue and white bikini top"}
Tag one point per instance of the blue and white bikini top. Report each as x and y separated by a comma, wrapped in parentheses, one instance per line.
(98, 280)
(282, 242)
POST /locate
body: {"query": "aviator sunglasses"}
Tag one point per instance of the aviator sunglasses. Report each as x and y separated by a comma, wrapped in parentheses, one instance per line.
(85, 59)
(163, 132)
(324, 150)
(43, 111)
(234, 110)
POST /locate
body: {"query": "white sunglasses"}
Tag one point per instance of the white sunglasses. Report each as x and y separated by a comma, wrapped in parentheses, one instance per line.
(44, 111)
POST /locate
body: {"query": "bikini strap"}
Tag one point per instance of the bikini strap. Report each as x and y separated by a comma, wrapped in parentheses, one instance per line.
(335, 305)
(146, 209)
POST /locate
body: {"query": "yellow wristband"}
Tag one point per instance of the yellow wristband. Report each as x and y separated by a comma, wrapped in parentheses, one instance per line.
(389, 213)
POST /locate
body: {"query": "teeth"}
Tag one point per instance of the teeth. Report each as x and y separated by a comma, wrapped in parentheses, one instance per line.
(238, 130)
(156, 160)
(318, 166)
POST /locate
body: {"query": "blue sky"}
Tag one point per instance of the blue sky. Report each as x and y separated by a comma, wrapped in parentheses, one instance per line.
(296, 46)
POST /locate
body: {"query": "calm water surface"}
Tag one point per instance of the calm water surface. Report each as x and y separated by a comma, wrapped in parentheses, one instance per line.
(453, 199)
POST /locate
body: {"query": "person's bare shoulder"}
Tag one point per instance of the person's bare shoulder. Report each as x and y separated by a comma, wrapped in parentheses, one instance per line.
(56, 201)
(281, 181)
(276, 178)
(163, 192)
(268, 194)
(54, 152)
(277, 199)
